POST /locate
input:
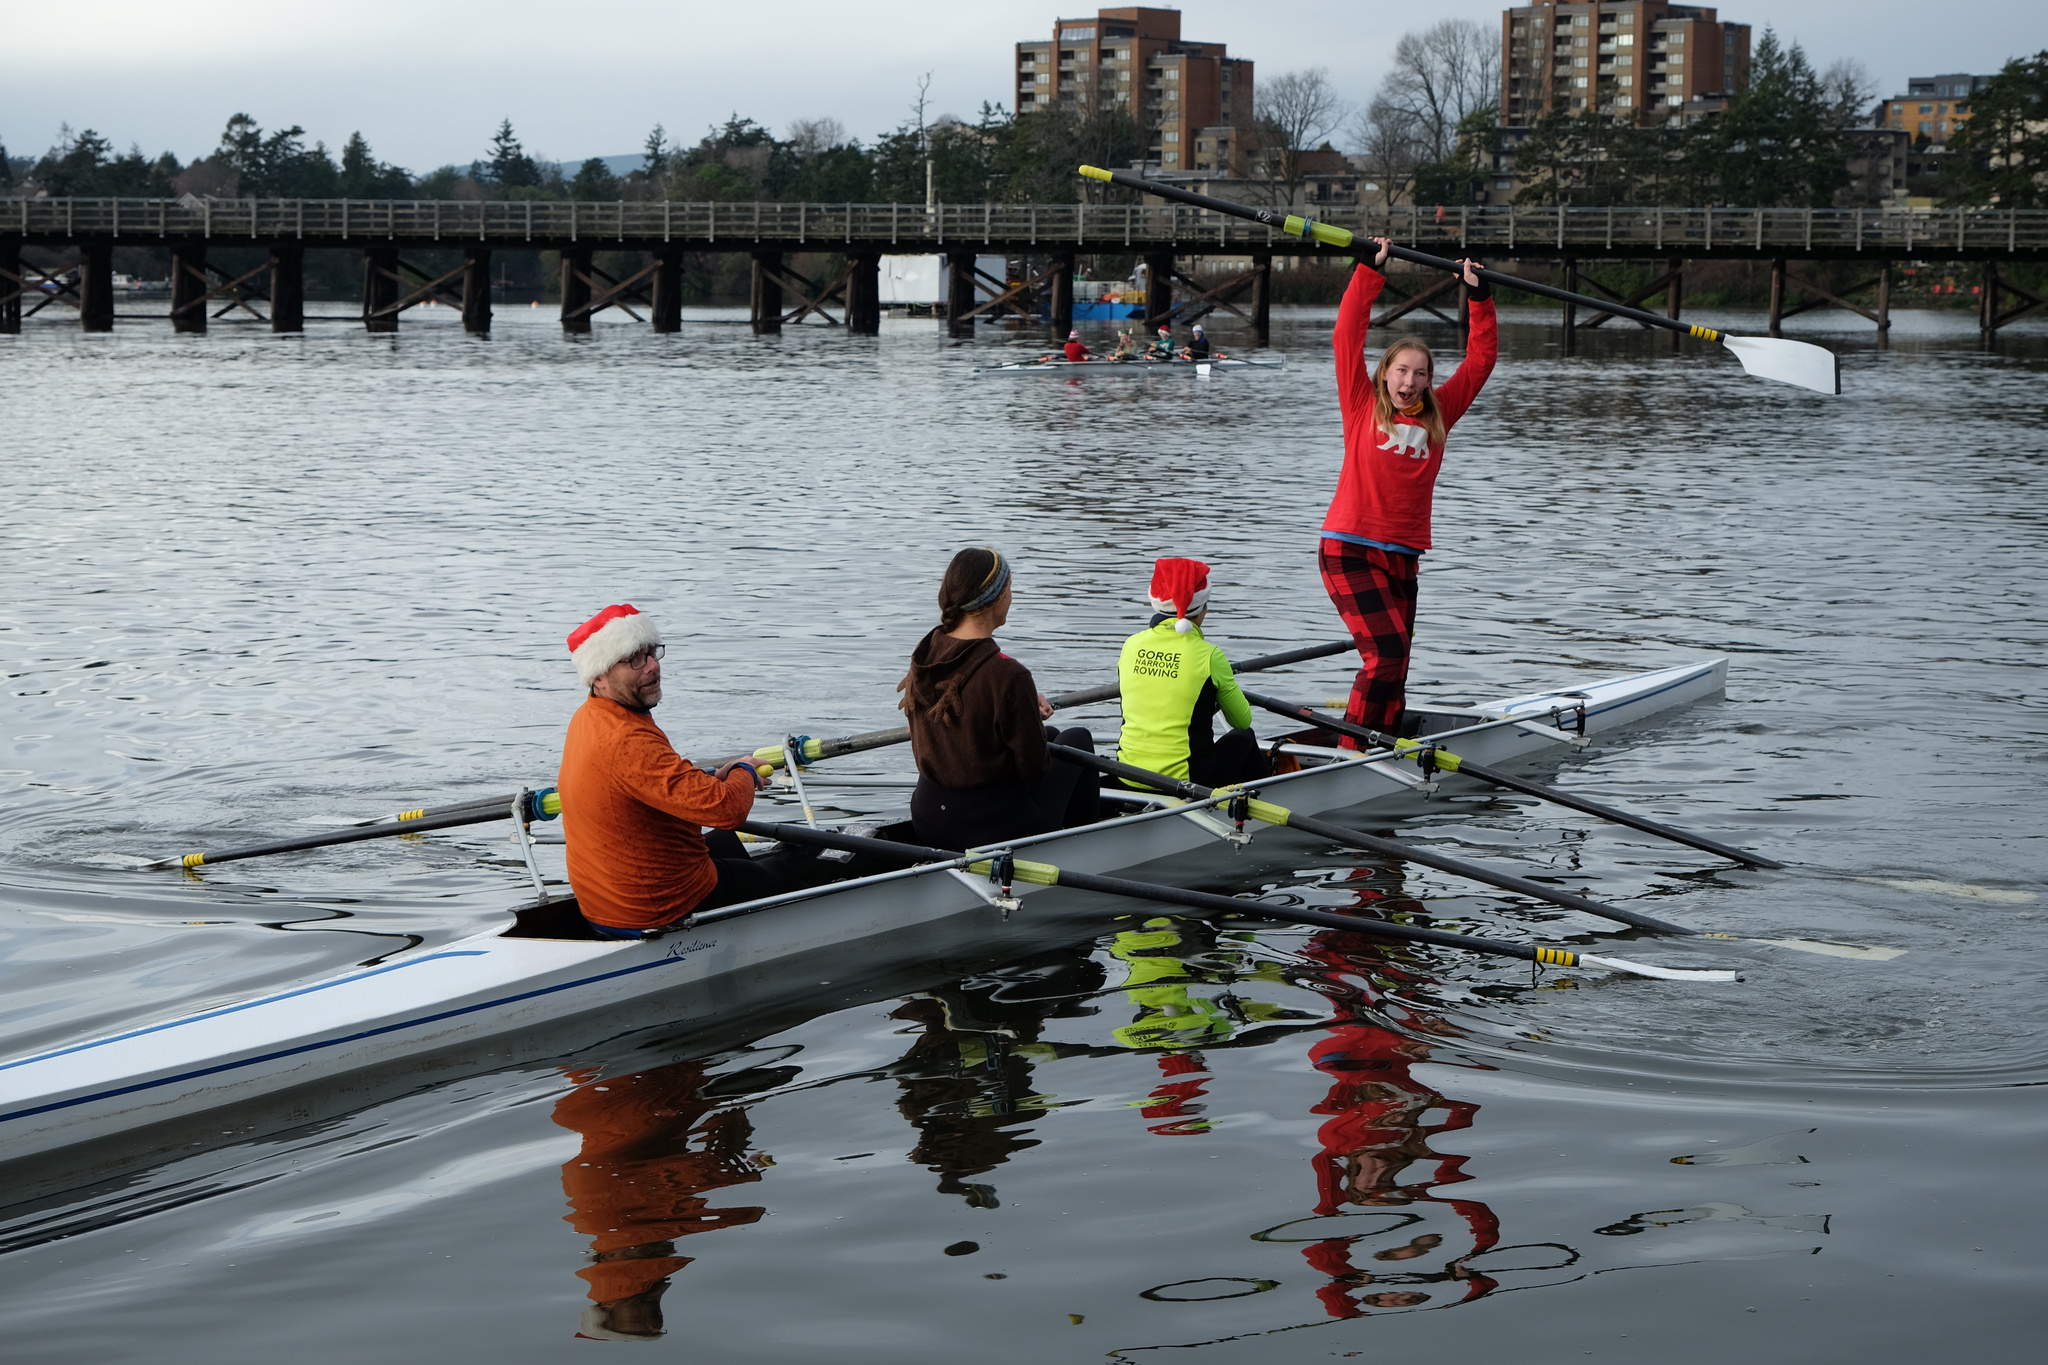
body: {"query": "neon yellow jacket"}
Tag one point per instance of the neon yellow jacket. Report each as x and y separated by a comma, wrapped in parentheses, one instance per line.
(1161, 674)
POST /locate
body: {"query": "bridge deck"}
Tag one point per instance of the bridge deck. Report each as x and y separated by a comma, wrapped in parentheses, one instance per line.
(1954, 234)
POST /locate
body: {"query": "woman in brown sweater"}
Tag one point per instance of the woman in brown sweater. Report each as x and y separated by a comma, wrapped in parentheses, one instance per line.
(977, 725)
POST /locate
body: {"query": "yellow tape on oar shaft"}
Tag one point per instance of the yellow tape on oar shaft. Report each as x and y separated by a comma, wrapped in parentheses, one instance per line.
(1556, 957)
(193, 859)
(1445, 759)
(1039, 874)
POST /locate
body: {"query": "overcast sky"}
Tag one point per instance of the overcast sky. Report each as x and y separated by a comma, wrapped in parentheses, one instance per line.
(426, 81)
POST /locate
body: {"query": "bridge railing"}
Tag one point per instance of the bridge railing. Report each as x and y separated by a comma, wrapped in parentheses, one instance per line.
(1092, 227)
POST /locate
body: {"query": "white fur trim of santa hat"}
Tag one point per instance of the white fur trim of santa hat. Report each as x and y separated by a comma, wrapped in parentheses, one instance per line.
(618, 632)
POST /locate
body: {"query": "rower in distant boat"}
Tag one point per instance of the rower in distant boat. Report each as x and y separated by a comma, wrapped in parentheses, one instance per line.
(977, 724)
(1126, 345)
(633, 809)
(1173, 682)
(1162, 345)
(1378, 524)
(1076, 349)
(1198, 346)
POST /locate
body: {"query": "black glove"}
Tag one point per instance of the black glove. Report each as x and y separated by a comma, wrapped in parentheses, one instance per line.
(1481, 290)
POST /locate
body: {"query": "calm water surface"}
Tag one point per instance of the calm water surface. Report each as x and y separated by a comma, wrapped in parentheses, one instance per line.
(258, 585)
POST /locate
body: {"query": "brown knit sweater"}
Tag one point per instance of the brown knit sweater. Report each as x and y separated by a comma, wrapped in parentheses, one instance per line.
(973, 714)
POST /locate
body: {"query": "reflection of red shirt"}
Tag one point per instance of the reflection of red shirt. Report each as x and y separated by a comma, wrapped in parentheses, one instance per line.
(637, 1180)
(1076, 351)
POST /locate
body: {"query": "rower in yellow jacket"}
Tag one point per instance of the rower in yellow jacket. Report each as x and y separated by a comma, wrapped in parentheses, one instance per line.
(1174, 682)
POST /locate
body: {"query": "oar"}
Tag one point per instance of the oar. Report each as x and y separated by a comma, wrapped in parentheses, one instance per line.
(880, 739)
(1789, 362)
(1004, 868)
(1452, 763)
(542, 805)
(1279, 815)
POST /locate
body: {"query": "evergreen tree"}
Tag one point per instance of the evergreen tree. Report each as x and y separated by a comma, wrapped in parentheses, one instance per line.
(594, 181)
(2000, 156)
(364, 177)
(1776, 144)
(510, 167)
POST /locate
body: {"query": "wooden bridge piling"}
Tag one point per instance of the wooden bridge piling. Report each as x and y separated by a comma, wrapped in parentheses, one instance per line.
(1778, 296)
(666, 310)
(766, 294)
(1674, 298)
(1158, 288)
(189, 287)
(864, 293)
(1262, 297)
(380, 288)
(576, 289)
(1884, 305)
(96, 287)
(476, 291)
(11, 286)
(960, 293)
(287, 288)
(1571, 310)
(1060, 313)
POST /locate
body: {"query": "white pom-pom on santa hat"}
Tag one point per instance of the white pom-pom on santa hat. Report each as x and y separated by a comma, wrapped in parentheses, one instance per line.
(618, 632)
(1180, 586)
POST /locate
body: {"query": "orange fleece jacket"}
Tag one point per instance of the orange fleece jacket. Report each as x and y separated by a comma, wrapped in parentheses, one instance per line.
(632, 815)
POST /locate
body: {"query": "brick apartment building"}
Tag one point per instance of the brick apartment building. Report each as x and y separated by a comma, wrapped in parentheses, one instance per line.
(1643, 59)
(1190, 97)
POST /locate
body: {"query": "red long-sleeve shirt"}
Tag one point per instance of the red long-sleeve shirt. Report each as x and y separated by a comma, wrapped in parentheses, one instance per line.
(633, 812)
(1387, 484)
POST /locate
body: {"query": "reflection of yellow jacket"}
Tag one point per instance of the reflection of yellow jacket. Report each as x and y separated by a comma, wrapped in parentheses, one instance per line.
(1158, 985)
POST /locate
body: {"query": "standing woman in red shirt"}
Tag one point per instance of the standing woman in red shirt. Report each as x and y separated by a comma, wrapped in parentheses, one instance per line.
(1377, 527)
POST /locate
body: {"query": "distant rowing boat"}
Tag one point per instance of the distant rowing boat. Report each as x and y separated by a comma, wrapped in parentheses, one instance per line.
(544, 968)
(1134, 366)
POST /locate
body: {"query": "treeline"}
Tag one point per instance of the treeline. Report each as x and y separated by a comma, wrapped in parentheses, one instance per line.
(997, 157)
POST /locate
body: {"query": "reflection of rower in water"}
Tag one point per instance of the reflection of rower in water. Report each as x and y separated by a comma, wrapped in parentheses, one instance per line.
(967, 1078)
(1374, 1131)
(638, 1185)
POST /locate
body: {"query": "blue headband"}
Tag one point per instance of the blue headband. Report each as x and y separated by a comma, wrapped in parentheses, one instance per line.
(992, 586)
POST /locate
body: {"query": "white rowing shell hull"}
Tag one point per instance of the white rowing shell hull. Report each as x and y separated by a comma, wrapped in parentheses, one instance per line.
(486, 984)
(1128, 366)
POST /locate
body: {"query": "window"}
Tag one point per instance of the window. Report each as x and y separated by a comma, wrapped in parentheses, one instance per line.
(1678, 37)
(1578, 61)
(1580, 82)
(1622, 102)
(1173, 157)
(1170, 136)
(1173, 73)
(1625, 40)
(1625, 80)
(1674, 100)
(1962, 108)
(1898, 108)
(1675, 59)
(1043, 78)
(1628, 19)
(1077, 35)
(1926, 108)
(1581, 21)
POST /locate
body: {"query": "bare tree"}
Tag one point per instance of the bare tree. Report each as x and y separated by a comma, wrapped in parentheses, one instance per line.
(1850, 87)
(1292, 115)
(1442, 74)
(1390, 147)
(810, 136)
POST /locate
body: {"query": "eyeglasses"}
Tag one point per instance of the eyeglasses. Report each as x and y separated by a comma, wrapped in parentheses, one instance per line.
(639, 658)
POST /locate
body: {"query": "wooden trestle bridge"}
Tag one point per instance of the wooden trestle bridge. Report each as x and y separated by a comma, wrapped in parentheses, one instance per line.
(1051, 236)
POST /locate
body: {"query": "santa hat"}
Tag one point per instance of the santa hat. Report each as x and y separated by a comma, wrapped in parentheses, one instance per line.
(1180, 586)
(617, 632)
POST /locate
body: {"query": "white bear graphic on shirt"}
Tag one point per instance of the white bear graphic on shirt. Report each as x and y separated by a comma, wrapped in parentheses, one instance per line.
(1413, 441)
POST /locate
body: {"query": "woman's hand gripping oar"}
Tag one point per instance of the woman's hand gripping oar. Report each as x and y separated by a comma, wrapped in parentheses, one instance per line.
(1788, 362)
(1006, 870)
(1444, 759)
(1372, 843)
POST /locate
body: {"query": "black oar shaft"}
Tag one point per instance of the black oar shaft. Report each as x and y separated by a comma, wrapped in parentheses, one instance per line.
(1171, 895)
(1342, 238)
(882, 739)
(1389, 848)
(1511, 782)
(355, 835)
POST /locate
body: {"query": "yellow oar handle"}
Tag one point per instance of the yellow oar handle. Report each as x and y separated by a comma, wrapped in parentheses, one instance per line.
(1445, 759)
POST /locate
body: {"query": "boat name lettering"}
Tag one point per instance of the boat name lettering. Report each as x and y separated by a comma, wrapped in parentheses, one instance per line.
(681, 950)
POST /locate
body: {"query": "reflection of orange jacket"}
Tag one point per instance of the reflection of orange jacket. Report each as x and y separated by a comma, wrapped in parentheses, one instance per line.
(637, 1181)
(632, 816)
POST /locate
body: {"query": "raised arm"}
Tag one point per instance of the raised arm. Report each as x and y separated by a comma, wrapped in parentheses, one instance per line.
(1482, 349)
(1354, 319)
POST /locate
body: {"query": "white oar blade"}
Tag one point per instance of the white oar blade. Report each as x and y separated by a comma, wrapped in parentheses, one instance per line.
(1789, 362)
(1874, 953)
(1620, 964)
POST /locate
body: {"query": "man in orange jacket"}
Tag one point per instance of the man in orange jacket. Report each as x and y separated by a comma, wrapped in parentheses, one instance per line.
(633, 809)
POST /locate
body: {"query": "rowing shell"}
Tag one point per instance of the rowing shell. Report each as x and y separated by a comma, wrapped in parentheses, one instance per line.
(505, 980)
(1130, 367)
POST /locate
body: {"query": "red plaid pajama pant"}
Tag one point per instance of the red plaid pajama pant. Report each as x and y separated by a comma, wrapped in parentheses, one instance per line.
(1374, 591)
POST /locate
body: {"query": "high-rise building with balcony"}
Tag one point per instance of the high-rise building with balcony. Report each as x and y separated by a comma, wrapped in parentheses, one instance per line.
(1191, 98)
(1638, 60)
